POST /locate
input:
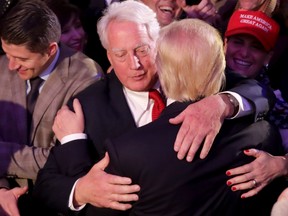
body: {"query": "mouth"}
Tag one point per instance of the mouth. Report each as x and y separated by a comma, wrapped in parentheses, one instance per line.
(242, 63)
(166, 10)
(138, 77)
(75, 45)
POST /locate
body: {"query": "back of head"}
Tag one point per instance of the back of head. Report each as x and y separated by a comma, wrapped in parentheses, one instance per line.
(190, 60)
(254, 23)
(30, 23)
(280, 208)
(130, 11)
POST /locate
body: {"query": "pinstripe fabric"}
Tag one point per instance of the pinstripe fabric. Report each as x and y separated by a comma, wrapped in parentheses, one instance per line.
(73, 72)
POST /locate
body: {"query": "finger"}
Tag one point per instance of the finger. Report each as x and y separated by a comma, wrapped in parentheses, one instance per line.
(120, 206)
(194, 146)
(102, 164)
(243, 186)
(78, 108)
(124, 197)
(63, 108)
(207, 12)
(207, 145)
(183, 141)
(252, 152)
(119, 180)
(178, 119)
(239, 170)
(181, 136)
(19, 191)
(251, 193)
(241, 179)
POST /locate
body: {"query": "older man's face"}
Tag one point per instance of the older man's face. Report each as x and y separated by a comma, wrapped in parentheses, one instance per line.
(166, 10)
(131, 53)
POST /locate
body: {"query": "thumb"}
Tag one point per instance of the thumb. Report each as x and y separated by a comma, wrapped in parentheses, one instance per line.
(78, 108)
(252, 152)
(18, 191)
(178, 119)
(102, 164)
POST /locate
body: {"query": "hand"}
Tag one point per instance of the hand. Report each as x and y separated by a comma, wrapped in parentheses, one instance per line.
(8, 201)
(257, 174)
(201, 123)
(67, 122)
(205, 10)
(101, 189)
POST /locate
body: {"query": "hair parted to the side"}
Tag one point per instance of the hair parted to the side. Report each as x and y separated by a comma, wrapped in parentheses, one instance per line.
(30, 23)
(190, 60)
(131, 11)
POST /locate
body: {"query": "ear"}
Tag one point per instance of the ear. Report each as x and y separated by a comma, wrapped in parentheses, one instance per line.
(109, 57)
(268, 58)
(53, 47)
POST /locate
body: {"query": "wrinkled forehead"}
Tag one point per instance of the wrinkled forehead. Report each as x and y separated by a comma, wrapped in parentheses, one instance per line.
(128, 35)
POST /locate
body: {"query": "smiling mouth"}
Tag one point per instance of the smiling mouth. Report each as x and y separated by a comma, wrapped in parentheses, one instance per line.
(242, 63)
(166, 9)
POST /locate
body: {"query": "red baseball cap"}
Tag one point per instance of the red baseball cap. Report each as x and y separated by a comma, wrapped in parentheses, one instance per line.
(255, 23)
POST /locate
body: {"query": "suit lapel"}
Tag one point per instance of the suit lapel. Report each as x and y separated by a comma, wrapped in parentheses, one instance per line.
(118, 101)
(51, 88)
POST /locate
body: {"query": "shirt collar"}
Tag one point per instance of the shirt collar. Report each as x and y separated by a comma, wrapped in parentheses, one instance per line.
(46, 73)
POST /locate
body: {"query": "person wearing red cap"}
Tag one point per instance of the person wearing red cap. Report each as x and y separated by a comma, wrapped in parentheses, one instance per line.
(249, 41)
(250, 38)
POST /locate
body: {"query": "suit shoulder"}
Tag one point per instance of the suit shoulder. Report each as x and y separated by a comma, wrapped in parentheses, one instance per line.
(77, 63)
(82, 59)
(95, 90)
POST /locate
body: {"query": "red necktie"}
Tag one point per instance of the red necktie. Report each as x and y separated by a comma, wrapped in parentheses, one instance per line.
(159, 104)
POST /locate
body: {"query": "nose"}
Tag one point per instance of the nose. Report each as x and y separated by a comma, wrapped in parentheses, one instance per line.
(13, 65)
(244, 51)
(134, 62)
(77, 32)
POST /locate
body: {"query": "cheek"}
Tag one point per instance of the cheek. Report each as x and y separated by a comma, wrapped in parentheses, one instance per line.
(81, 32)
(65, 38)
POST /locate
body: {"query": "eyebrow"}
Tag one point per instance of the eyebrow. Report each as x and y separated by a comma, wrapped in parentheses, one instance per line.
(120, 49)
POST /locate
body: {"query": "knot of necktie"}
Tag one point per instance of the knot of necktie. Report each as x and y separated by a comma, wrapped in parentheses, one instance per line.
(34, 92)
(159, 103)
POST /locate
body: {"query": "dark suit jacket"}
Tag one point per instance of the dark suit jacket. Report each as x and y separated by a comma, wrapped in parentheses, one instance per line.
(107, 115)
(172, 187)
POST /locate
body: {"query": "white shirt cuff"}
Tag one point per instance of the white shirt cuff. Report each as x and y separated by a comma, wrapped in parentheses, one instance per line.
(70, 204)
(72, 137)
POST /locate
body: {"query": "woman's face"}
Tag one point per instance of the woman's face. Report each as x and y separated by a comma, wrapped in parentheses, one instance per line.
(166, 10)
(73, 34)
(246, 55)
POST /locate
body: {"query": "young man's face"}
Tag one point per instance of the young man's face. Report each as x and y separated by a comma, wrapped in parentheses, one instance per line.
(246, 55)
(166, 10)
(131, 53)
(26, 63)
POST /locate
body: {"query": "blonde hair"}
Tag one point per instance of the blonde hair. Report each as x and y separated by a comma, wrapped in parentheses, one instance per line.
(190, 60)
